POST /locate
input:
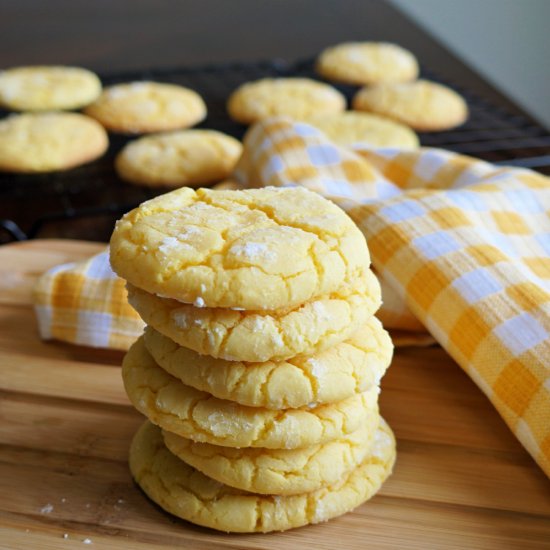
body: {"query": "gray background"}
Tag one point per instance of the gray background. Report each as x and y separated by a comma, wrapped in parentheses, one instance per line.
(507, 41)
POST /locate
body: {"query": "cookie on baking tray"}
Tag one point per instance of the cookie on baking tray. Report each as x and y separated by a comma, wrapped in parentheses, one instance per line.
(45, 142)
(174, 159)
(295, 97)
(337, 373)
(354, 127)
(47, 88)
(187, 493)
(199, 416)
(278, 471)
(146, 107)
(423, 105)
(363, 63)
(260, 249)
(254, 336)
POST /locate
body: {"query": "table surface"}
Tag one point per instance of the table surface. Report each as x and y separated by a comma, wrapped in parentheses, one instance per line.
(461, 479)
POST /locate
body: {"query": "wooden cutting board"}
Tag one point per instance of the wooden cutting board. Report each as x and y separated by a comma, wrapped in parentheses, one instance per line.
(461, 478)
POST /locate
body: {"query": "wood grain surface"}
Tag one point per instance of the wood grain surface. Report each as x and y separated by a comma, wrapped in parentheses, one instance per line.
(461, 478)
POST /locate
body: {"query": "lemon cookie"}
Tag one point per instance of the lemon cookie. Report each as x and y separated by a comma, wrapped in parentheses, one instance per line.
(259, 249)
(337, 373)
(145, 107)
(200, 416)
(294, 97)
(364, 63)
(47, 88)
(351, 127)
(237, 335)
(185, 492)
(422, 105)
(187, 157)
(44, 142)
(277, 471)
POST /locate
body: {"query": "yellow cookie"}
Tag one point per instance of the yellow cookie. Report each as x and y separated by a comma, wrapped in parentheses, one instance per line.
(145, 107)
(200, 416)
(259, 249)
(351, 128)
(367, 63)
(278, 471)
(422, 105)
(337, 373)
(262, 336)
(294, 97)
(44, 142)
(187, 157)
(185, 492)
(47, 88)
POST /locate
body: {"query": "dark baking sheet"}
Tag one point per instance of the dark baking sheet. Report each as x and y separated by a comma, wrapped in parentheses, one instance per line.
(83, 203)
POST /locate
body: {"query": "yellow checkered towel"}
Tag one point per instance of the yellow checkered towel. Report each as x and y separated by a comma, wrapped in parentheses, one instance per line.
(462, 249)
(86, 303)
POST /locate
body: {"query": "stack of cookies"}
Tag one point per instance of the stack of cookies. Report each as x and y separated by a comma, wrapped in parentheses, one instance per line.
(259, 369)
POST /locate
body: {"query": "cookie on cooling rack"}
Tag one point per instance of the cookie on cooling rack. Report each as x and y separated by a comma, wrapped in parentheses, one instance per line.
(146, 107)
(297, 98)
(175, 159)
(423, 105)
(45, 142)
(47, 88)
(353, 127)
(365, 63)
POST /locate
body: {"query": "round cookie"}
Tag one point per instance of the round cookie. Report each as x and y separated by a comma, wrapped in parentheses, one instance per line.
(363, 63)
(187, 157)
(423, 105)
(259, 249)
(199, 416)
(47, 88)
(262, 336)
(185, 492)
(44, 142)
(351, 127)
(337, 373)
(297, 98)
(278, 471)
(146, 107)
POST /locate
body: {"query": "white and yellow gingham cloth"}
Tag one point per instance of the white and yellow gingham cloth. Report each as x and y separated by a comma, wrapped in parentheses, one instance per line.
(462, 249)
(86, 303)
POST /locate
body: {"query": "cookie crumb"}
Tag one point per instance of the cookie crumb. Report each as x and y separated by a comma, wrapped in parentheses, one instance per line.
(65, 535)
(87, 541)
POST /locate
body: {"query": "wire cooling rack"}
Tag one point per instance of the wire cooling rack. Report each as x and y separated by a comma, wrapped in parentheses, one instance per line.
(84, 203)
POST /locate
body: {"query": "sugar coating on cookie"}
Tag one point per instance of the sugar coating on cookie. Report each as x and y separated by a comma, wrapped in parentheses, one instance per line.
(365, 63)
(260, 249)
(237, 335)
(351, 128)
(294, 97)
(43, 87)
(185, 157)
(337, 373)
(278, 471)
(145, 107)
(44, 142)
(185, 492)
(422, 105)
(199, 416)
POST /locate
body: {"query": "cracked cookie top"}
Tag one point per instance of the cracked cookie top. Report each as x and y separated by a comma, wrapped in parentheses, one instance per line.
(336, 373)
(258, 249)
